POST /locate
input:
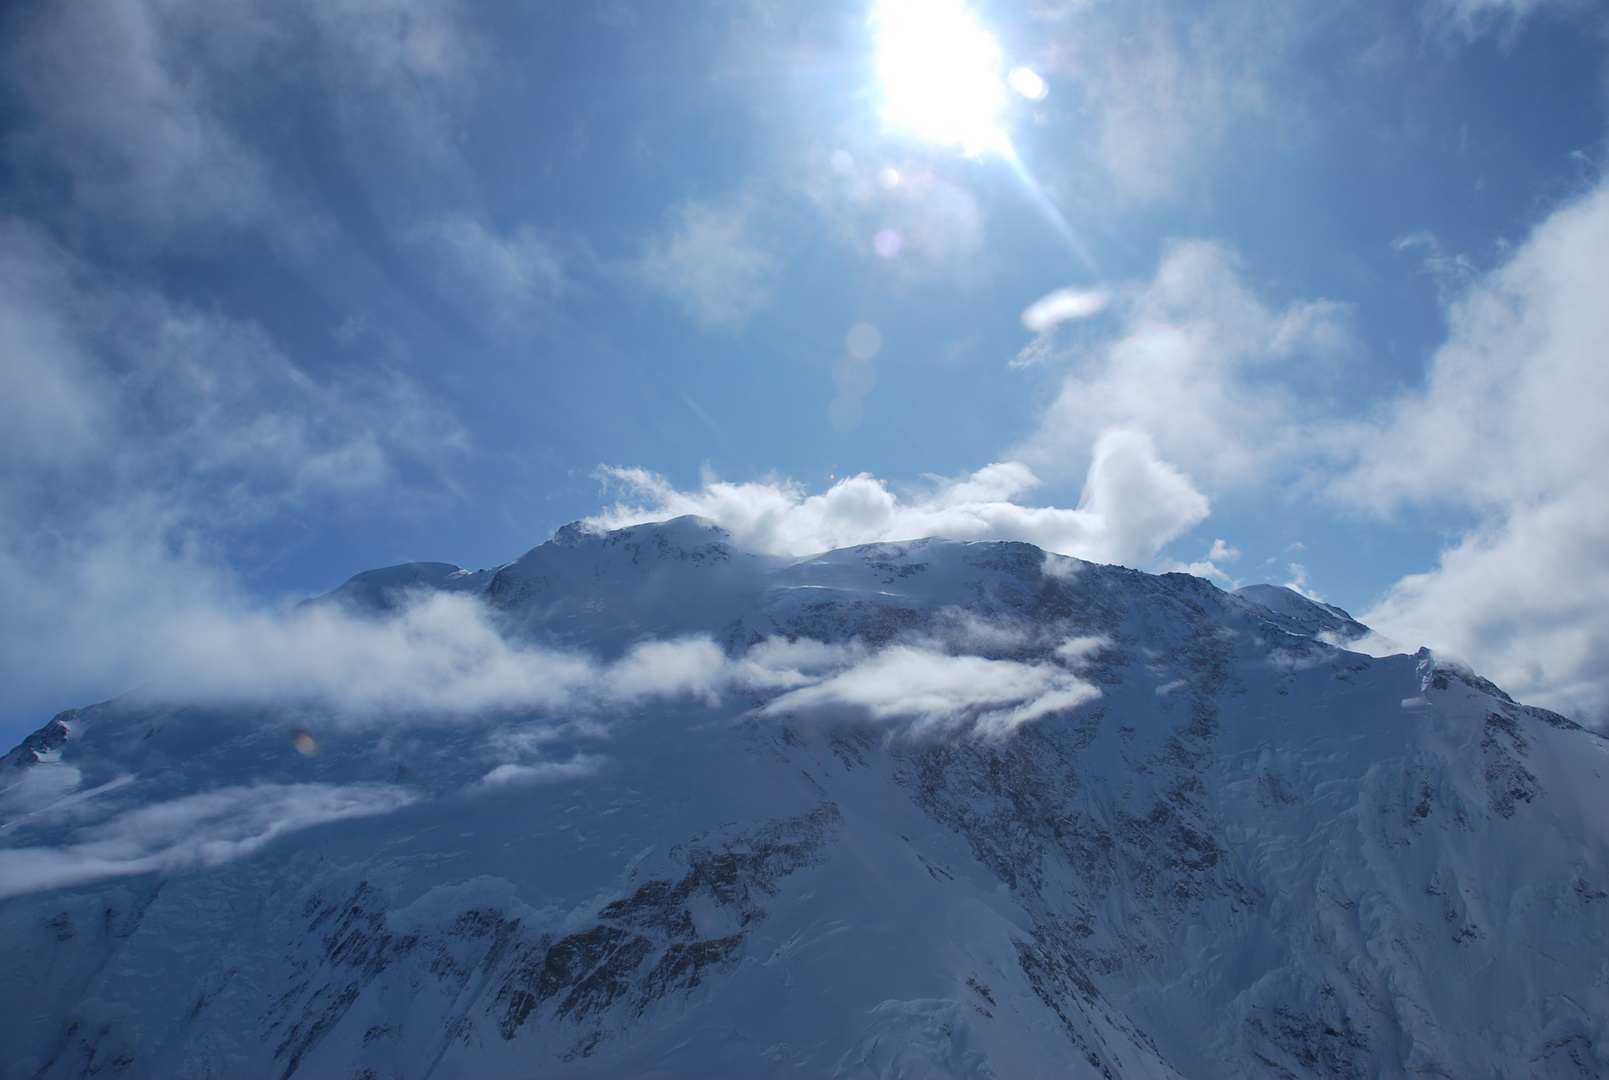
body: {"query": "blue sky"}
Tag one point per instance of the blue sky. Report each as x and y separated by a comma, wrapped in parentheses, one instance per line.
(288, 291)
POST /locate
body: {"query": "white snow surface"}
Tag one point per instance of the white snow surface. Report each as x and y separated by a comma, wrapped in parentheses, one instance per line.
(927, 809)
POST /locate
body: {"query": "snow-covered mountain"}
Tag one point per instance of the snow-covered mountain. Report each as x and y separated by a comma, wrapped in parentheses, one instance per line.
(931, 809)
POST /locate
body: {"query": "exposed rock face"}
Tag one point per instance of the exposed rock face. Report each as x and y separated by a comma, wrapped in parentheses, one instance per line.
(1121, 826)
(640, 952)
(45, 744)
(648, 946)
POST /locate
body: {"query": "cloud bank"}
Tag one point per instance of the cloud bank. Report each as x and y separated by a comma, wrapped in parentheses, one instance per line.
(436, 660)
(1508, 428)
(1133, 503)
(1511, 426)
(440, 659)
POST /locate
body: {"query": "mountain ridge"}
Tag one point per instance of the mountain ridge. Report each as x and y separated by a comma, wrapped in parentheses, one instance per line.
(921, 809)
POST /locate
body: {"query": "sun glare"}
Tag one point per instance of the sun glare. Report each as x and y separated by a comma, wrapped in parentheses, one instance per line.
(1029, 83)
(940, 74)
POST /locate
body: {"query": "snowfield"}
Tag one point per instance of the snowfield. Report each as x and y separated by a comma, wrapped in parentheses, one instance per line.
(642, 804)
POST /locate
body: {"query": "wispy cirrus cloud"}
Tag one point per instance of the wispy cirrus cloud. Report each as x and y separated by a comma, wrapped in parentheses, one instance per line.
(133, 135)
(1159, 87)
(936, 220)
(506, 279)
(714, 260)
(1473, 18)
(165, 131)
(141, 438)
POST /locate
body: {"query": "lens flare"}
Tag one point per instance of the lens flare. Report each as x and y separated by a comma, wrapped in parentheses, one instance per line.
(1029, 83)
(940, 74)
(845, 413)
(863, 340)
(854, 377)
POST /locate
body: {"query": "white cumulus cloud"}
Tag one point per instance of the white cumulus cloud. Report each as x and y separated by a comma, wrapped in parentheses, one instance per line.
(1202, 365)
(1133, 503)
(1511, 425)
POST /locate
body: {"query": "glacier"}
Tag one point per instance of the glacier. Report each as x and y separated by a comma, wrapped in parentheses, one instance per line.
(926, 809)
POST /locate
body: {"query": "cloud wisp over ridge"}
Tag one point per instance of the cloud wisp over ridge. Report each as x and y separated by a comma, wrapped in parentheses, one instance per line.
(205, 829)
(938, 693)
(441, 658)
(438, 662)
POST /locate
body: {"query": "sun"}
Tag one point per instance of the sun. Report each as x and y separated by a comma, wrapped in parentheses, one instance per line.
(940, 74)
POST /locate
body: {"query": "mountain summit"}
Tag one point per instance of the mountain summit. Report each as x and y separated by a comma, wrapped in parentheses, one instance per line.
(661, 807)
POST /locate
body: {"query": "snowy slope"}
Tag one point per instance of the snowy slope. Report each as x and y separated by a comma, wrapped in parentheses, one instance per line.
(932, 809)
